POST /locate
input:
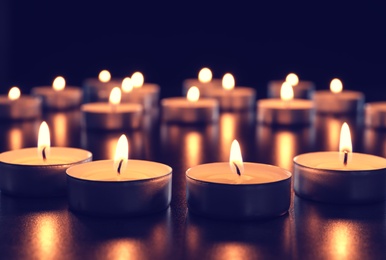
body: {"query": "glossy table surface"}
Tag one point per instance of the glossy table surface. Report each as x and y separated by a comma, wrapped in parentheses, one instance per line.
(46, 229)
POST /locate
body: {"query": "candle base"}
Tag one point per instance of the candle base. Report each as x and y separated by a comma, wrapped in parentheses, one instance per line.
(68, 98)
(304, 90)
(375, 115)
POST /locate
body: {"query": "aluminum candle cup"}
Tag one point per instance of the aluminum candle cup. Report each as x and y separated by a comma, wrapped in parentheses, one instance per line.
(23, 108)
(24, 174)
(105, 116)
(375, 114)
(236, 99)
(322, 176)
(70, 97)
(134, 97)
(344, 102)
(149, 90)
(303, 90)
(144, 187)
(181, 110)
(263, 191)
(279, 112)
(203, 87)
(95, 90)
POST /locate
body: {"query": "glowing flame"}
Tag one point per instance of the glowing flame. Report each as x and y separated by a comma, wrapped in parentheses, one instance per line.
(193, 94)
(14, 93)
(137, 79)
(345, 144)
(121, 154)
(235, 158)
(44, 142)
(292, 79)
(59, 83)
(336, 86)
(286, 92)
(127, 85)
(115, 96)
(205, 75)
(228, 81)
(104, 76)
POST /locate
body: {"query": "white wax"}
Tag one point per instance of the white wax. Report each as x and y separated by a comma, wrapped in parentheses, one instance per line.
(236, 92)
(181, 102)
(254, 173)
(331, 97)
(278, 104)
(203, 87)
(303, 89)
(106, 108)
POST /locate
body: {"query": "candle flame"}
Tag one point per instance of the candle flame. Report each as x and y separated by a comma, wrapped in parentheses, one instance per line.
(14, 93)
(59, 83)
(205, 75)
(292, 79)
(115, 96)
(137, 79)
(104, 76)
(44, 142)
(336, 86)
(228, 81)
(286, 92)
(121, 154)
(345, 144)
(193, 94)
(127, 85)
(235, 158)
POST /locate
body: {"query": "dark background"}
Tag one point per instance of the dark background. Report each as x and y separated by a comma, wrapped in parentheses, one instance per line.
(171, 41)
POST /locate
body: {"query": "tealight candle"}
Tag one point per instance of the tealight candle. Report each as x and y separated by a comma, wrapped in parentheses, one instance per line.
(238, 190)
(375, 114)
(59, 96)
(302, 89)
(141, 88)
(340, 177)
(112, 115)
(204, 82)
(17, 107)
(131, 96)
(231, 98)
(38, 172)
(191, 109)
(98, 89)
(119, 187)
(285, 111)
(337, 101)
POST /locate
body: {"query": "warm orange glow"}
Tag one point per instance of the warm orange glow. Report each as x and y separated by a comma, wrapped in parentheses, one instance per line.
(14, 93)
(59, 83)
(193, 94)
(121, 154)
(137, 79)
(228, 81)
(292, 79)
(44, 142)
(336, 86)
(104, 76)
(345, 144)
(115, 96)
(127, 85)
(205, 75)
(286, 92)
(235, 158)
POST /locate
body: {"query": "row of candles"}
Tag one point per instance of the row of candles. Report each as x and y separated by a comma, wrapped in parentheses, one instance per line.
(232, 190)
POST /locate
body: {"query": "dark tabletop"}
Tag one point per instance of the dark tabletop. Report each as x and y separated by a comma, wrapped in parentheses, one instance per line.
(46, 229)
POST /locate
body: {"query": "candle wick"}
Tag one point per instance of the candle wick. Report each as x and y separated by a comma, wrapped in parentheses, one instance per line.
(237, 169)
(345, 159)
(44, 154)
(119, 167)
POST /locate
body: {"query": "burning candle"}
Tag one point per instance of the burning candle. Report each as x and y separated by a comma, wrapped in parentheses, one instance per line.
(18, 107)
(340, 177)
(58, 96)
(204, 82)
(302, 89)
(38, 172)
(337, 101)
(112, 115)
(231, 98)
(285, 111)
(119, 187)
(98, 89)
(238, 190)
(191, 109)
(146, 90)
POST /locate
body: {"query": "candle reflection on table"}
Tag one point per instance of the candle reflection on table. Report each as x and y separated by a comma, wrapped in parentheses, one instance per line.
(19, 135)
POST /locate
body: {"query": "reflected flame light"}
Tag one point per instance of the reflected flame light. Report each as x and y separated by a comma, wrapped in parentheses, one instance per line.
(285, 145)
(46, 236)
(15, 138)
(336, 86)
(127, 85)
(44, 142)
(104, 76)
(60, 129)
(205, 75)
(292, 79)
(193, 94)
(228, 81)
(345, 144)
(193, 145)
(59, 83)
(115, 96)
(137, 79)
(235, 158)
(121, 154)
(14, 93)
(286, 92)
